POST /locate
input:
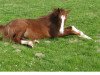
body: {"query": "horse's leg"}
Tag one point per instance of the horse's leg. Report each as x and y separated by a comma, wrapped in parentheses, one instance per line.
(71, 30)
(22, 41)
(29, 42)
(19, 38)
(28, 34)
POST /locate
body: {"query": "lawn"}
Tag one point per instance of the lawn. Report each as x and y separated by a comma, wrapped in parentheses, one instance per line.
(69, 53)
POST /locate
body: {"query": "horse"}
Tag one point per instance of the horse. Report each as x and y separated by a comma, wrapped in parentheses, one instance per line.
(27, 31)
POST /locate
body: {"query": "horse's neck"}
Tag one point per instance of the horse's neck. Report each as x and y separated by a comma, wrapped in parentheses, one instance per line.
(51, 21)
(54, 26)
(45, 18)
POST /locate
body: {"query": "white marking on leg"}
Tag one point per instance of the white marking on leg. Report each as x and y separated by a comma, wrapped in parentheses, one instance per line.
(74, 29)
(30, 43)
(62, 24)
(81, 34)
(27, 42)
(24, 42)
(84, 36)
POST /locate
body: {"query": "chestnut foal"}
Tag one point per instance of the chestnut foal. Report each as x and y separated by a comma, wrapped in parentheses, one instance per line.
(49, 26)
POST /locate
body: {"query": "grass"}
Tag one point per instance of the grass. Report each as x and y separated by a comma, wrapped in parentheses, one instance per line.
(69, 53)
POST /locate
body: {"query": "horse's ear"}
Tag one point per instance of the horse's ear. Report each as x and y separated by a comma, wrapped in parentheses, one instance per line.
(68, 11)
(56, 9)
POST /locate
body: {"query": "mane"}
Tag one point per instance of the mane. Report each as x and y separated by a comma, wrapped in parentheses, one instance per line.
(52, 15)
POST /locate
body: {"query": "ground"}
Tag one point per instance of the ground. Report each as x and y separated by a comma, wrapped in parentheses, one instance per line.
(69, 53)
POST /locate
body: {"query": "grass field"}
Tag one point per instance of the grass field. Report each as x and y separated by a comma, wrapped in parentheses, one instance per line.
(69, 53)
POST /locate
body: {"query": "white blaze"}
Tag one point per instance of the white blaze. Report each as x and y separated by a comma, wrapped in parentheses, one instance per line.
(62, 24)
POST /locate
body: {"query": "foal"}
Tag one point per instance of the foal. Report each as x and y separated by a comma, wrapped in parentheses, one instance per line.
(49, 26)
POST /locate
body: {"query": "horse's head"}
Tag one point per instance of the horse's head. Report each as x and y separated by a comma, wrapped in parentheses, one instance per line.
(59, 16)
(60, 13)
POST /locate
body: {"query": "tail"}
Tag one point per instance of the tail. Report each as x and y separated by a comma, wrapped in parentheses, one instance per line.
(2, 29)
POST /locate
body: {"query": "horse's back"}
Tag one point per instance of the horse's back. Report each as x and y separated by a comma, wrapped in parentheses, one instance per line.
(31, 28)
(37, 29)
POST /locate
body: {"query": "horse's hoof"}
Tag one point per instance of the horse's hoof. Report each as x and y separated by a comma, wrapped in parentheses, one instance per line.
(36, 41)
(84, 36)
(30, 44)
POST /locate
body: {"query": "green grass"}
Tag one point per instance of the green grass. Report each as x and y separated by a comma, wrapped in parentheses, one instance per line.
(69, 53)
